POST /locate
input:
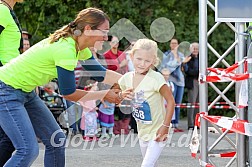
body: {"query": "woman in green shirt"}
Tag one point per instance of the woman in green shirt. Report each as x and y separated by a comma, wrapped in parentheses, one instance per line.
(23, 115)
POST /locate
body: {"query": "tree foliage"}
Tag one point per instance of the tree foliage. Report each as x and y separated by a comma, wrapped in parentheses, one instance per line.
(42, 17)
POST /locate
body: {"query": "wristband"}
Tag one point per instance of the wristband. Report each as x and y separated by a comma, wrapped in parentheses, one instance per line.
(166, 126)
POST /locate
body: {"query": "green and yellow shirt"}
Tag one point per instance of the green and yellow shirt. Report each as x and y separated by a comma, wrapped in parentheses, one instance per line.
(37, 66)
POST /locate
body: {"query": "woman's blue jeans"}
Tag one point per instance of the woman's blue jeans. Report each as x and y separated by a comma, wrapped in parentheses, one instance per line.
(23, 116)
(178, 96)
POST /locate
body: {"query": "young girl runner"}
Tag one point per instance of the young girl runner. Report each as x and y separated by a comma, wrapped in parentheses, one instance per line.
(150, 87)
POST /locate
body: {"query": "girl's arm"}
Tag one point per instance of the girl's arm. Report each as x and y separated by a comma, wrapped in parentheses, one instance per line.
(162, 132)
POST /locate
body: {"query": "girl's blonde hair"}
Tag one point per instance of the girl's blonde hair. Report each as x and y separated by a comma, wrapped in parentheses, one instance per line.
(90, 16)
(148, 45)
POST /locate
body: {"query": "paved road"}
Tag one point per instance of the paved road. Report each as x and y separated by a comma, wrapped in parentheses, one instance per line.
(124, 151)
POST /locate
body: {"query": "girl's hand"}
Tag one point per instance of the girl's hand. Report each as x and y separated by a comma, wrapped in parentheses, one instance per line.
(162, 134)
(127, 94)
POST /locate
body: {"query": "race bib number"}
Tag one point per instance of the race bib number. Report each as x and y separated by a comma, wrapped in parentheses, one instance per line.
(142, 114)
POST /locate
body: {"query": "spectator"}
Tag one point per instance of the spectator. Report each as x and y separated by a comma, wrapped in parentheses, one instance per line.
(10, 42)
(26, 35)
(89, 114)
(26, 41)
(26, 45)
(191, 70)
(172, 59)
(106, 116)
(10, 31)
(116, 59)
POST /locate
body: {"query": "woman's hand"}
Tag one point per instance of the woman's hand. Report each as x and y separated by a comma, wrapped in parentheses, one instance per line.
(116, 95)
(162, 134)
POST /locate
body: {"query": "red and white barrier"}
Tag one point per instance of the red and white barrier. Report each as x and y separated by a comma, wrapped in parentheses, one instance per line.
(194, 145)
(243, 94)
(225, 123)
(197, 106)
(223, 155)
(218, 103)
(204, 164)
(224, 75)
(235, 125)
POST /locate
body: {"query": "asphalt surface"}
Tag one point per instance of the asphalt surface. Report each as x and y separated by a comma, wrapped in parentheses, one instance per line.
(124, 151)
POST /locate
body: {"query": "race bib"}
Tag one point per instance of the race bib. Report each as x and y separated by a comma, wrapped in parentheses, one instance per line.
(142, 114)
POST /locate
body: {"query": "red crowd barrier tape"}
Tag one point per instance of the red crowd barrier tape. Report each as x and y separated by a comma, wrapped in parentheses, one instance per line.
(235, 125)
(226, 78)
(194, 145)
(228, 123)
(225, 75)
(224, 155)
(219, 102)
(197, 106)
(205, 164)
(227, 70)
